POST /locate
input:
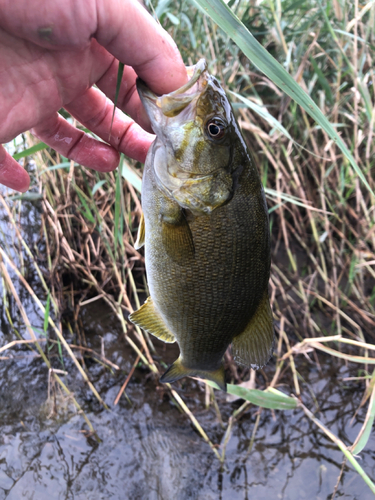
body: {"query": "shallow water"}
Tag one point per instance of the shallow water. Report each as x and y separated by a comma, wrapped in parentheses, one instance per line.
(147, 448)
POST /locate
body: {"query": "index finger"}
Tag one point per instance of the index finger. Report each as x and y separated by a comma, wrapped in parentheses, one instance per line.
(137, 40)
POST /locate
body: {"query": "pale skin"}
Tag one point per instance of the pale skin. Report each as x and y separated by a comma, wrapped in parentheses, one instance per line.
(52, 52)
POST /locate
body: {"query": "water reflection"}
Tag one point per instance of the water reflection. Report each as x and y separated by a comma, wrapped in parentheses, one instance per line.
(149, 450)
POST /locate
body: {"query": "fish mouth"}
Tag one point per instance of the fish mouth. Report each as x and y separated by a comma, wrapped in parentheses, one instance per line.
(173, 103)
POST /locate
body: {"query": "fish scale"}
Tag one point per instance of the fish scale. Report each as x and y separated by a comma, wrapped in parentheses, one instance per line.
(206, 234)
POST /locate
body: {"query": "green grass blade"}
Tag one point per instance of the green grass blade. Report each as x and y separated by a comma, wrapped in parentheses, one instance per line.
(30, 151)
(46, 312)
(274, 400)
(365, 432)
(120, 72)
(97, 186)
(275, 195)
(349, 357)
(85, 210)
(118, 84)
(64, 164)
(363, 89)
(358, 468)
(350, 35)
(335, 38)
(342, 447)
(323, 80)
(258, 55)
(26, 197)
(117, 206)
(131, 176)
(263, 112)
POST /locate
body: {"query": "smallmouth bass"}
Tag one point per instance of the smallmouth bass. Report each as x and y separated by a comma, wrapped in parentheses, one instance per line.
(206, 233)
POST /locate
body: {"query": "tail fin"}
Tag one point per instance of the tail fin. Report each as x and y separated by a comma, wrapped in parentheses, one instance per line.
(177, 371)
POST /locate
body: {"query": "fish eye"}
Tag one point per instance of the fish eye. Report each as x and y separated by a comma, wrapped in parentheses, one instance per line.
(215, 128)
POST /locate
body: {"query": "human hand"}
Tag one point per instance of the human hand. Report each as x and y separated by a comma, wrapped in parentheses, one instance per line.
(51, 55)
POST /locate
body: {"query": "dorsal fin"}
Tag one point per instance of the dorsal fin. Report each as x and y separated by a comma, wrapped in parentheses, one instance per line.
(253, 347)
(149, 318)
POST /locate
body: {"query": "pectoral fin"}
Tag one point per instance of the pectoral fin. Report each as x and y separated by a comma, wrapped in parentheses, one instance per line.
(141, 234)
(149, 318)
(177, 238)
(177, 371)
(253, 347)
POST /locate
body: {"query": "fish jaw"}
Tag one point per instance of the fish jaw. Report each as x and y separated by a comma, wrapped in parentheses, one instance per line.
(161, 108)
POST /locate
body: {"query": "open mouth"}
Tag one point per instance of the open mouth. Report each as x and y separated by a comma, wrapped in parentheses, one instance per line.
(173, 103)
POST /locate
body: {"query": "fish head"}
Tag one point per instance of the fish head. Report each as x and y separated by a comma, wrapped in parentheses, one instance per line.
(196, 135)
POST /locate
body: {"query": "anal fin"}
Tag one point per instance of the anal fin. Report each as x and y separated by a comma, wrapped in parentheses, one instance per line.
(253, 347)
(149, 318)
(141, 234)
(177, 371)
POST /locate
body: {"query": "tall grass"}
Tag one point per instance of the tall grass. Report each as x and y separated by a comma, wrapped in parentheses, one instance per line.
(322, 217)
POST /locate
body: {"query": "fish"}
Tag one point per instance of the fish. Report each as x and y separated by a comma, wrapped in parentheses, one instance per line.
(205, 231)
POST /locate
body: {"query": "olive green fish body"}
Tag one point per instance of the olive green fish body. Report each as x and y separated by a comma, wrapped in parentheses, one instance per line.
(207, 248)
